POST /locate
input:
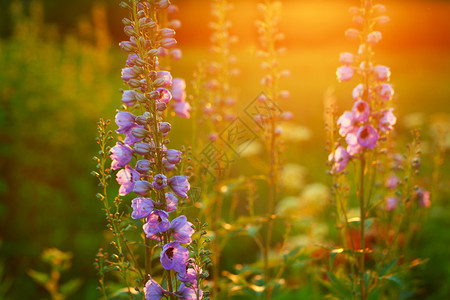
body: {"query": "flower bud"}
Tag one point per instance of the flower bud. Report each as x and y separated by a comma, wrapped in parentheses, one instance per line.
(168, 42)
(346, 58)
(175, 24)
(173, 156)
(152, 52)
(161, 106)
(382, 20)
(129, 30)
(175, 54)
(345, 73)
(141, 97)
(142, 148)
(139, 132)
(164, 127)
(142, 187)
(129, 97)
(374, 37)
(158, 82)
(141, 120)
(127, 46)
(163, 4)
(352, 34)
(379, 8)
(126, 21)
(143, 166)
(167, 33)
(134, 83)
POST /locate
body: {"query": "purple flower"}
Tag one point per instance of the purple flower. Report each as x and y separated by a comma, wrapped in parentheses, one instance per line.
(181, 229)
(347, 124)
(173, 156)
(142, 207)
(172, 202)
(164, 127)
(391, 203)
(353, 149)
(387, 120)
(125, 121)
(346, 58)
(142, 148)
(167, 165)
(382, 73)
(182, 109)
(190, 275)
(164, 95)
(345, 73)
(361, 111)
(143, 166)
(166, 77)
(142, 187)
(358, 92)
(189, 293)
(374, 37)
(121, 155)
(131, 60)
(179, 90)
(129, 97)
(392, 182)
(385, 91)
(179, 185)
(129, 73)
(153, 291)
(157, 222)
(130, 138)
(367, 136)
(174, 257)
(422, 197)
(341, 158)
(159, 182)
(127, 178)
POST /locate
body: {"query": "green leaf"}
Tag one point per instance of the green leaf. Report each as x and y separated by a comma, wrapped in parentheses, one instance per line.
(395, 279)
(39, 277)
(70, 286)
(339, 287)
(387, 267)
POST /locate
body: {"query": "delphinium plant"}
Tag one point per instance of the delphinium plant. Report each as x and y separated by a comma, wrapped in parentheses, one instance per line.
(147, 226)
(269, 120)
(375, 188)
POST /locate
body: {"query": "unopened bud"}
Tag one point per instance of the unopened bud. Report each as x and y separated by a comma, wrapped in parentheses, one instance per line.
(129, 30)
(134, 83)
(168, 42)
(139, 133)
(126, 21)
(352, 34)
(158, 83)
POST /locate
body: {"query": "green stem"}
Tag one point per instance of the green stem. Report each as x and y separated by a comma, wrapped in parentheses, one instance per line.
(363, 226)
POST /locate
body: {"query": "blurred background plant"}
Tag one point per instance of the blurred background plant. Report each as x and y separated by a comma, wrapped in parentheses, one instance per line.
(59, 67)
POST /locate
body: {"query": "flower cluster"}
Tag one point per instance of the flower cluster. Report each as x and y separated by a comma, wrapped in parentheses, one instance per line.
(152, 90)
(371, 116)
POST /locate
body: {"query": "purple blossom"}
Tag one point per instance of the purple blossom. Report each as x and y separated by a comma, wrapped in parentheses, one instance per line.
(159, 182)
(143, 166)
(127, 178)
(345, 73)
(129, 97)
(341, 158)
(385, 91)
(173, 156)
(422, 197)
(179, 185)
(125, 121)
(153, 291)
(382, 73)
(367, 136)
(189, 293)
(182, 109)
(361, 111)
(142, 207)
(358, 92)
(166, 76)
(164, 95)
(167, 165)
(172, 202)
(142, 187)
(174, 257)
(157, 222)
(164, 127)
(179, 90)
(392, 182)
(346, 58)
(387, 120)
(142, 148)
(129, 73)
(391, 203)
(353, 149)
(346, 124)
(181, 229)
(131, 60)
(130, 138)
(121, 155)
(190, 275)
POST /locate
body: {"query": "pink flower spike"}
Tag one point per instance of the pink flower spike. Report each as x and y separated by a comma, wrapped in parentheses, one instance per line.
(361, 111)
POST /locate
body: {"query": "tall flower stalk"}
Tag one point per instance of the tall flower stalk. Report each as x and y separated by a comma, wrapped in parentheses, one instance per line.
(269, 37)
(146, 167)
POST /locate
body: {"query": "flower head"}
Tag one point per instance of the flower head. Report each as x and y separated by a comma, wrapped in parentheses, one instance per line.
(345, 73)
(127, 178)
(422, 197)
(125, 121)
(387, 120)
(367, 136)
(341, 158)
(142, 187)
(174, 257)
(142, 207)
(172, 202)
(121, 155)
(181, 229)
(382, 73)
(157, 222)
(153, 291)
(173, 156)
(179, 185)
(159, 181)
(361, 111)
